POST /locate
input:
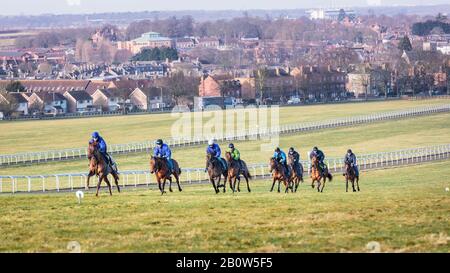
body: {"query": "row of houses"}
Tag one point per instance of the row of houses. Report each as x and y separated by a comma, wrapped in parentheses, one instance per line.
(61, 97)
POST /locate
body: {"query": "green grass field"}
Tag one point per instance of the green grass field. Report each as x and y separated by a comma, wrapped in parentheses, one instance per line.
(363, 139)
(404, 209)
(74, 133)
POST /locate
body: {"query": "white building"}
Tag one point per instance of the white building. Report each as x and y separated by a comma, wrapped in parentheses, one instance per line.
(328, 14)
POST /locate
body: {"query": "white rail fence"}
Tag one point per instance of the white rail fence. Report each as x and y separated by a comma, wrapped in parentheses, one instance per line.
(69, 182)
(242, 135)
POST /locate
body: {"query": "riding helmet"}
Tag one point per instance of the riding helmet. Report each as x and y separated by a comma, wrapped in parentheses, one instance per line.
(291, 150)
(159, 142)
(349, 151)
(211, 142)
(315, 149)
(231, 146)
(277, 149)
(95, 135)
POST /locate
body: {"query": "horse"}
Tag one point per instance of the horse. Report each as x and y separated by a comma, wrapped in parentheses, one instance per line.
(279, 174)
(216, 170)
(296, 173)
(159, 167)
(98, 166)
(316, 175)
(235, 170)
(350, 175)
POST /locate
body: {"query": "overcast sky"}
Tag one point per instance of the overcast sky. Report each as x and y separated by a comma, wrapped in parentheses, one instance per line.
(13, 7)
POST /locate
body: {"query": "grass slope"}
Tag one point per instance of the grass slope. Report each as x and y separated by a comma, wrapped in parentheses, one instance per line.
(403, 209)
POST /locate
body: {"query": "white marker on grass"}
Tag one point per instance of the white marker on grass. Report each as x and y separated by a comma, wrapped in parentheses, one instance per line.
(447, 189)
(80, 195)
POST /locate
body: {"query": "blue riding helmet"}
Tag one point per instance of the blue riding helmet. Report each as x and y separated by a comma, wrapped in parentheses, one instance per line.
(95, 135)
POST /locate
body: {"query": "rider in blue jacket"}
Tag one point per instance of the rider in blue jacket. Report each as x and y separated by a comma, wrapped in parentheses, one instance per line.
(162, 150)
(280, 156)
(214, 150)
(350, 158)
(102, 147)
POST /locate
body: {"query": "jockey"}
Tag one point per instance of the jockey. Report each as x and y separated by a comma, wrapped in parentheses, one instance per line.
(280, 156)
(162, 150)
(350, 158)
(320, 156)
(214, 150)
(235, 154)
(296, 157)
(102, 148)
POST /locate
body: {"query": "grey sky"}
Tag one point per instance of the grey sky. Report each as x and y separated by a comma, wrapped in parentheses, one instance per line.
(8, 7)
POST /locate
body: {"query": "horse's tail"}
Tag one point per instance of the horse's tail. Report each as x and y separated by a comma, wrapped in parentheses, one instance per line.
(330, 176)
(247, 172)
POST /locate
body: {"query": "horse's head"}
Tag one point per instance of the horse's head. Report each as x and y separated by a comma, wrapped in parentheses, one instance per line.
(91, 148)
(314, 160)
(228, 156)
(273, 163)
(153, 164)
(349, 169)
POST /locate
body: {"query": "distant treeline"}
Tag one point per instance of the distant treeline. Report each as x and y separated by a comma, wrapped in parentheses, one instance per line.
(426, 28)
(124, 18)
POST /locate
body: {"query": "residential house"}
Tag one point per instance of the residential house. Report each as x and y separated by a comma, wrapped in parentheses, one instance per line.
(148, 98)
(219, 85)
(110, 99)
(319, 82)
(48, 102)
(80, 101)
(17, 99)
(372, 80)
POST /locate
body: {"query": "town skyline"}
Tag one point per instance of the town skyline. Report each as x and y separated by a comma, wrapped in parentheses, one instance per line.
(25, 7)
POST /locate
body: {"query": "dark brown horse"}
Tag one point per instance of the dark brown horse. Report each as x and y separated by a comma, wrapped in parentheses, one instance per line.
(279, 174)
(316, 174)
(160, 168)
(215, 171)
(350, 175)
(98, 167)
(296, 172)
(235, 169)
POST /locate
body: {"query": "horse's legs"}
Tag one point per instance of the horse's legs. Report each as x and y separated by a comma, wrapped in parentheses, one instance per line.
(353, 184)
(246, 179)
(273, 184)
(225, 177)
(239, 183)
(231, 183)
(98, 184)
(116, 181)
(323, 185)
(357, 182)
(87, 182)
(214, 184)
(163, 186)
(177, 178)
(109, 184)
(346, 183)
(318, 185)
(170, 184)
(279, 182)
